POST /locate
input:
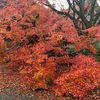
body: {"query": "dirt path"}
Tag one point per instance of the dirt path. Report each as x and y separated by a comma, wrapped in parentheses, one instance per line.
(9, 85)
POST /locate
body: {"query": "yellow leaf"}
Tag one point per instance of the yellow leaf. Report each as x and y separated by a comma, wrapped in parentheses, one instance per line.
(38, 75)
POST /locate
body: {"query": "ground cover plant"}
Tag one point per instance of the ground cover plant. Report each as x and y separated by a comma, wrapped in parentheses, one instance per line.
(47, 50)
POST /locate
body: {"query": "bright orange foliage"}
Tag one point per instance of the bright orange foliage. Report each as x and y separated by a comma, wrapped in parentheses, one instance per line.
(44, 39)
(84, 75)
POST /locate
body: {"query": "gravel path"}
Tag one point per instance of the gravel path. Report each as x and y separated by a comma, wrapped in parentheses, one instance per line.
(9, 85)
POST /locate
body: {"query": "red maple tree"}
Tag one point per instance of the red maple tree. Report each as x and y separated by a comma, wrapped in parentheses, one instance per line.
(37, 42)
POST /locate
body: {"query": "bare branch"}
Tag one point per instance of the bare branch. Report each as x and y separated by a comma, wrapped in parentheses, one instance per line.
(98, 22)
(84, 19)
(92, 10)
(77, 13)
(97, 16)
(59, 12)
(81, 6)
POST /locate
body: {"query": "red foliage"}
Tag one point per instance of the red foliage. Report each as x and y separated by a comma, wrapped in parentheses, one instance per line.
(94, 32)
(83, 76)
(44, 38)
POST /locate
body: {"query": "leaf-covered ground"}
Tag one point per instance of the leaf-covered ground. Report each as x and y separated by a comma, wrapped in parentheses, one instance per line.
(12, 88)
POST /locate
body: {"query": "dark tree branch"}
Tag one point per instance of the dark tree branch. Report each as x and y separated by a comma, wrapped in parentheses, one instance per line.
(81, 6)
(92, 11)
(59, 12)
(97, 16)
(77, 13)
(65, 14)
(98, 22)
(73, 7)
(76, 24)
(69, 10)
(83, 18)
